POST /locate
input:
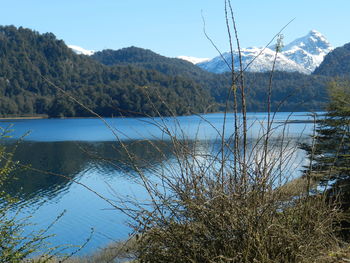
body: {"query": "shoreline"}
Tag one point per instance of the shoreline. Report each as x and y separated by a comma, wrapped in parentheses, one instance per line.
(23, 118)
(94, 117)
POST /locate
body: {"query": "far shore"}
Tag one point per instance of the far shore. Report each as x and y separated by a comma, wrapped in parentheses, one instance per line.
(94, 117)
(23, 118)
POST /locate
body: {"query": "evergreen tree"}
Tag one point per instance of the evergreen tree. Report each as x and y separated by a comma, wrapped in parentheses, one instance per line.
(329, 155)
(331, 152)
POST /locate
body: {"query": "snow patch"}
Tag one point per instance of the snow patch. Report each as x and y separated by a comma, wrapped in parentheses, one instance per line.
(81, 51)
(193, 60)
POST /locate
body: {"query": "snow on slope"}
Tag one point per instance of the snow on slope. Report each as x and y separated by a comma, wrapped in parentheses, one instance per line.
(262, 63)
(81, 51)
(308, 51)
(302, 55)
(193, 60)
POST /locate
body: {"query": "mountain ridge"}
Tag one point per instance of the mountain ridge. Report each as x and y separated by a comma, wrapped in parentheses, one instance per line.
(310, 89)
(129, 82)
(303, 55)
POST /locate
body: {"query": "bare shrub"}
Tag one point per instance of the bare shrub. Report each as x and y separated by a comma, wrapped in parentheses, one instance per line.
(201, 211)
(235, 203)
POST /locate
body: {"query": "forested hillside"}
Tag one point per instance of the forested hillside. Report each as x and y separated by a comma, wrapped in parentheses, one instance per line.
(148, 59)
(129, 82)
(29, 60)
(291, 91)
(336, 63)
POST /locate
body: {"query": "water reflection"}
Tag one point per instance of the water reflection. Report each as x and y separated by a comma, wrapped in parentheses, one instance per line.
(110, 160)
(70, 159)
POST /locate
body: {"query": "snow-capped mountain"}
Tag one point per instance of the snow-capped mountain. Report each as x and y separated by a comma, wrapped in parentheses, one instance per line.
(308, 51)
(193, 60)
(263, 60)
(302, 55)
(81, 51)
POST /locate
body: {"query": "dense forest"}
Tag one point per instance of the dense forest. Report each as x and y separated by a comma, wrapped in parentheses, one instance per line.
(336, 63)
(30, 62)
(39, 73)
(291, 91)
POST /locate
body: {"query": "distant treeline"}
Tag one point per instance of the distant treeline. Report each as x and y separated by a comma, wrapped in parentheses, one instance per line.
(38, 73)
(292, 91)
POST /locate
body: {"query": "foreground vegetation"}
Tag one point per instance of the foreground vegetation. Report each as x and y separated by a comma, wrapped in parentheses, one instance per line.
(15, 246)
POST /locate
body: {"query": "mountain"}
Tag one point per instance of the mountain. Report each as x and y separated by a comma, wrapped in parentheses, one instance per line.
(336, 63)
(301, 55)
(38, 73)
(81, 51)
(304, 92)
(263, 61)
(308, 51)
(147, 59)
(36, 69)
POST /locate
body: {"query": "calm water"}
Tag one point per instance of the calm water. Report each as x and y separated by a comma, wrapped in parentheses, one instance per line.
(87, 151)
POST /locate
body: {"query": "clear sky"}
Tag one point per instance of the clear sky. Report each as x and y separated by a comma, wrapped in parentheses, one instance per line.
(175, 27)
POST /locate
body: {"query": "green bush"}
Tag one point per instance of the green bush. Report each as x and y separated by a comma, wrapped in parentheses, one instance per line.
(16, 245)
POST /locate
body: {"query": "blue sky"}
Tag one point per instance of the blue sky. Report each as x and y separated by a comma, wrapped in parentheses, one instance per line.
(175, 27)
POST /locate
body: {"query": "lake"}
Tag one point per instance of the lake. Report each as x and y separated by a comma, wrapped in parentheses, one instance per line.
(89, 153)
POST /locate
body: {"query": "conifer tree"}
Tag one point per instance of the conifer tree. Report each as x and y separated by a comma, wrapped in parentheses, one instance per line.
(330, 154)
